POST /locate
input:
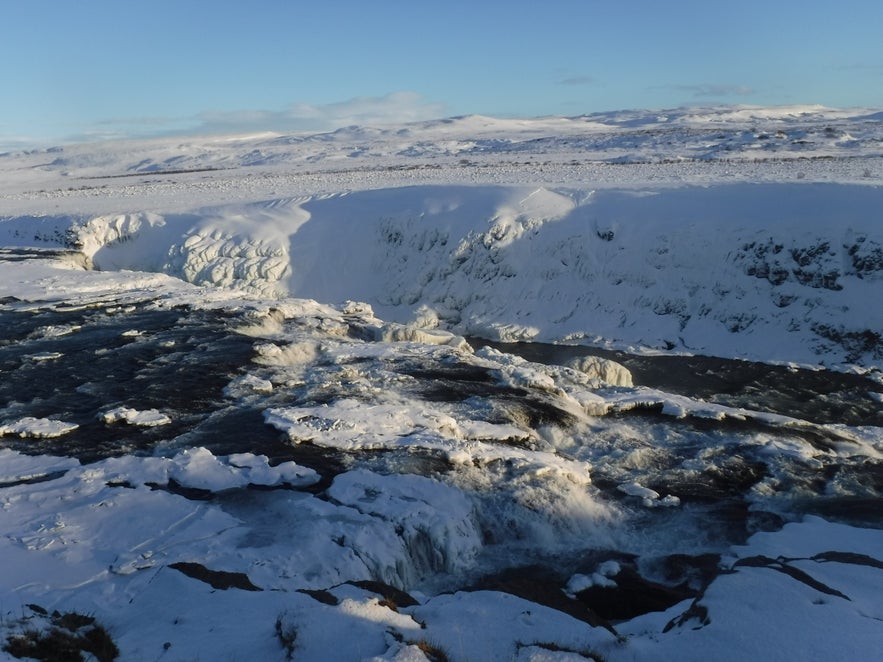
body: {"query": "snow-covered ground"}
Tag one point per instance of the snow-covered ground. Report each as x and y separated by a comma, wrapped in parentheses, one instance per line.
(734, 232)
(241, 420)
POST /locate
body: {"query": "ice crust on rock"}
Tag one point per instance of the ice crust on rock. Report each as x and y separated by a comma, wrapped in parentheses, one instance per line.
(603, 576)
(650, 498)
(30, 426)
(605, 370)
(435, 521)
(404, 333)
(247, 384)
(201, 469)
(146, 418)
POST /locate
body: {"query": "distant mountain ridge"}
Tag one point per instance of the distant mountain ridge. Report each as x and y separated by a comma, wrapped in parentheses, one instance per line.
(701, 132)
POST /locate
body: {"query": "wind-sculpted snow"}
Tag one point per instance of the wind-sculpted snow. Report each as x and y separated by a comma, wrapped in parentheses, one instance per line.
(226, 250)
(609, 372)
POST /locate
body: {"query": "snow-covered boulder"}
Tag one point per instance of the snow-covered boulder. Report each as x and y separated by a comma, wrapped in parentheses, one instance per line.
(607, 371)
(402, 333)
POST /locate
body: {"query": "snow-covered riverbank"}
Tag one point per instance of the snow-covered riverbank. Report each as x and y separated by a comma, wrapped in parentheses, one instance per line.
(240, 419)
(765, 244)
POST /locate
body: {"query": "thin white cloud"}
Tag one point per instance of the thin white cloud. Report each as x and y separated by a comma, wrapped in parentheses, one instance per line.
(872, 68)
(709, 90)
(16, 143)
(577, 80)
(394, 108)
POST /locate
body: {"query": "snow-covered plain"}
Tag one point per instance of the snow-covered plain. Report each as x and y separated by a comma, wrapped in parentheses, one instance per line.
(247, 412)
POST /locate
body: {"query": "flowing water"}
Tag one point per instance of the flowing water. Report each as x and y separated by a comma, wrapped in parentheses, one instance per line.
(730, 477)
(819, 396)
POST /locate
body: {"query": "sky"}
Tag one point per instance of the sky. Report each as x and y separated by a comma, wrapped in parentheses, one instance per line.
(102, 69)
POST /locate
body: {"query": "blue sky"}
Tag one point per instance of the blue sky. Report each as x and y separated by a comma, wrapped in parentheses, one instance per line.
(101, 69)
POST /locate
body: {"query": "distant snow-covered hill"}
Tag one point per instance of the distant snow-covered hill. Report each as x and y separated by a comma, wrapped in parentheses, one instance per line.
(692, 133)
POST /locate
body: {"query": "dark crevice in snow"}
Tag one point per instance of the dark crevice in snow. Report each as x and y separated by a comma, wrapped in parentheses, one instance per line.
(782, 565)
(33, 480)
(321, 595)
(848, 557)
(538, 584)
(392, 595)
(632, 595)
(217, 579)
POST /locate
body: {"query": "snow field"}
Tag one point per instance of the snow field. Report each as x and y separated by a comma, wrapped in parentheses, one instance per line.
(111, 550)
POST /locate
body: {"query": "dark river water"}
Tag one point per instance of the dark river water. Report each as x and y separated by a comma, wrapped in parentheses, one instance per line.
(818, 396)
(74, 364)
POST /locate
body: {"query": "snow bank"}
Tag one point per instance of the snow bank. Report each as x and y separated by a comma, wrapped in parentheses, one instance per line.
(765, 271)
(437, 467)
(705, 230)
(762, 271)
(231, 248)
(102, 540)
(805, 592)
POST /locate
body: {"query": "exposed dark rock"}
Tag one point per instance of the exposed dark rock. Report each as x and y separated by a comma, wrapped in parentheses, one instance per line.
(849, 557)
(761, 520)
(856, 342)
(693, 571)
(63, 637)
(219, 579)
(815, 266)
(696, 612)
(632, 596)
(537, 585)
(391, 594)
(782, 566)
(120, 483)
(866, 257)
(605, 235)
(729, 478)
